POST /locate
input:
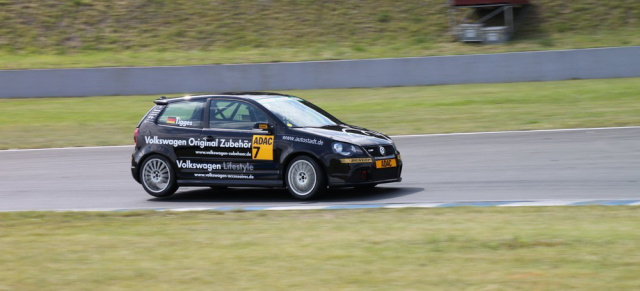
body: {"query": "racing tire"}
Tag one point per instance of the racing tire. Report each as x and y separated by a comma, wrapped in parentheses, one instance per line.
(158, 177)
(305, 179)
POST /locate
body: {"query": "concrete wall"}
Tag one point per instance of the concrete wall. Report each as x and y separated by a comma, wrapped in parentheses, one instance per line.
(493, 68)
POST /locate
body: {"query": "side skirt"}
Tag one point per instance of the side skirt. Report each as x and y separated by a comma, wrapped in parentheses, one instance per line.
(231, 183)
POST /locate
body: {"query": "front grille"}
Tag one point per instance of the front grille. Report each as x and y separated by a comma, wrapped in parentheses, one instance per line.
(375, 151)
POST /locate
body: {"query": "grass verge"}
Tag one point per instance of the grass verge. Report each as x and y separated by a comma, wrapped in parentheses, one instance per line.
(91, 121)
(545, 248)
(90, 33)
(311, 52)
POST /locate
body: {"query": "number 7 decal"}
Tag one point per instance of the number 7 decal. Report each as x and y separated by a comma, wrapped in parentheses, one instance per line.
(262, 147)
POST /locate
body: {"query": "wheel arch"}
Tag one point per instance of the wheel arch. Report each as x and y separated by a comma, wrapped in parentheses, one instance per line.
(292, 156)
(148, 154)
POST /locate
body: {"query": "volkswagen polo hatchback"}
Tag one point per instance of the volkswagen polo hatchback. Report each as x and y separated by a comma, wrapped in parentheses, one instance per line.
(256, 139)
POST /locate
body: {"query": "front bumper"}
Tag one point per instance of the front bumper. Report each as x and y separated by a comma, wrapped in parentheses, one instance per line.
(363, 171)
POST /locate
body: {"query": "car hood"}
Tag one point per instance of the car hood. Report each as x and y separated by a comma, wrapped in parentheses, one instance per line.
(348, 133)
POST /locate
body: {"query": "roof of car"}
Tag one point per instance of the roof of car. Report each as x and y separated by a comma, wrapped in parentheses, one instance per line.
(240, 95)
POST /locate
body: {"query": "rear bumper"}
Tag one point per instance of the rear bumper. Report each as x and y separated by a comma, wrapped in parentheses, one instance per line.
(135, 162)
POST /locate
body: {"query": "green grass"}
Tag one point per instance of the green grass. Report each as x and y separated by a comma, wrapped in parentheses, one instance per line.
(311, 52)
(92, 33)
(545, 248)
(89, 121)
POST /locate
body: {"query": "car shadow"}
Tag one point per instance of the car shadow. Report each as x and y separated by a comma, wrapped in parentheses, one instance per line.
(274, 196)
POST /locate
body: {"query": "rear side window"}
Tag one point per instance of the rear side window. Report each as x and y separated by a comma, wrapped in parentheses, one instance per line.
(183, 114)
(227, 114)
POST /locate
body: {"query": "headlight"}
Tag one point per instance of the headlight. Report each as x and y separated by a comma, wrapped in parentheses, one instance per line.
(345, 149)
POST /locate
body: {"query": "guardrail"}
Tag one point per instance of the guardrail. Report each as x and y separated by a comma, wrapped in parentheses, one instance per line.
(597, 63)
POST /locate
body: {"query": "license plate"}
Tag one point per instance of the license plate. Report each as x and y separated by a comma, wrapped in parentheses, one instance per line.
(388, 163)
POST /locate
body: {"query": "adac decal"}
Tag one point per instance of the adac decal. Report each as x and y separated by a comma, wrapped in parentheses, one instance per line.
(262, 147)
(387, 163)
(356, 161)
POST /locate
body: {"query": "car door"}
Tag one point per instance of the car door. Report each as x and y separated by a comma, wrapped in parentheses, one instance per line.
(178, 129)
(237, 152)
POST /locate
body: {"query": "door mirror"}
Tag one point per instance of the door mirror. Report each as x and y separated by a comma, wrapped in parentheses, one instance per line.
(264, 127)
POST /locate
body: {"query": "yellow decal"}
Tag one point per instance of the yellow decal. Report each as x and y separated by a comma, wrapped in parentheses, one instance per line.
(356, 161)
(388, 163)
(263, 126)
(262, 147)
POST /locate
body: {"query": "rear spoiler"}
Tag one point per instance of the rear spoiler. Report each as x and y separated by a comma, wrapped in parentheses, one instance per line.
(162, 101)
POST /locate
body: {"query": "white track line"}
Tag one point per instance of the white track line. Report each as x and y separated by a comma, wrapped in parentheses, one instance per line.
(393, 136)
(69, 148)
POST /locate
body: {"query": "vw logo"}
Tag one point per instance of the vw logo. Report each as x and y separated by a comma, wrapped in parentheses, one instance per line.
(382, 151)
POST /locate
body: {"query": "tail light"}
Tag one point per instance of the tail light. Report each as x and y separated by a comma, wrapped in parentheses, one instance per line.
(135, 136)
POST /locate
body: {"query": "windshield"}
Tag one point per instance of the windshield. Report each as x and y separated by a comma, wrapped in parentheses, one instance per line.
(295, 112)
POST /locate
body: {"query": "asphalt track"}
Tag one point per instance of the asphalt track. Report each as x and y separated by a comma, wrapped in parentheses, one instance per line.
(506, 166)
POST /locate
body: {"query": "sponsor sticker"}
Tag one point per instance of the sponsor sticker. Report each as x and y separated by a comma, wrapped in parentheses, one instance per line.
(162, 141)
(356, 161)
(386, 163)
(262, 147)
(303, 140)
(224, 153)
(201, 143)
(225, 176)
(151, 117)
(226, 166)
(187, 164)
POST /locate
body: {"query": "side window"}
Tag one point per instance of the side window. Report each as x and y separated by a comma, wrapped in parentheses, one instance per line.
(234, 115)
(183, 114)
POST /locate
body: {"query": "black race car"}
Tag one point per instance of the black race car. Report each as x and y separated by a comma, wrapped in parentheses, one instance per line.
(256, 139)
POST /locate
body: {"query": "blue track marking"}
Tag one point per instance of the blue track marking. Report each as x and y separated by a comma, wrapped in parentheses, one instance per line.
(479, 204)
(528, 203)
(606, 202)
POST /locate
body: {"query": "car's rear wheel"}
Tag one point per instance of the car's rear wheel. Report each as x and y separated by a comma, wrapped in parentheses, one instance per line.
(305, 178)
(157, 176)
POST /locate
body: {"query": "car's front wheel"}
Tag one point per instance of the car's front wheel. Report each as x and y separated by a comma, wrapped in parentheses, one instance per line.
(305, 178)
(157, 176)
